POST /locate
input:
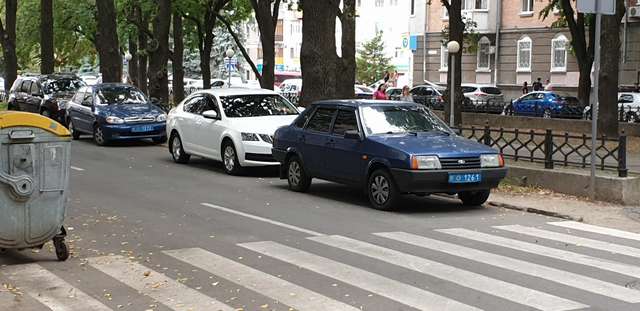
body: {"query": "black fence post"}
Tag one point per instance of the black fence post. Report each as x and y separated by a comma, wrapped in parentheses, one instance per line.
(622, 155)
(621, 117)
(548, 149)
(487, 135)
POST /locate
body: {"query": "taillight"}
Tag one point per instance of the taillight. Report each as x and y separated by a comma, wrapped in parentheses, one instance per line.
(501, 160)
(480, 94)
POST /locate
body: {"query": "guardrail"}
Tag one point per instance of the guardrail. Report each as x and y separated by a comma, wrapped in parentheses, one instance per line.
(553, 149)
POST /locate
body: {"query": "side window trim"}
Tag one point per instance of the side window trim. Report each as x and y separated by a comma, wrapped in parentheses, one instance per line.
(333, 118)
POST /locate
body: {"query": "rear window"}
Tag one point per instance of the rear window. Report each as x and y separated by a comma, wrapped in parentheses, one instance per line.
(491, 90)
(468, 89)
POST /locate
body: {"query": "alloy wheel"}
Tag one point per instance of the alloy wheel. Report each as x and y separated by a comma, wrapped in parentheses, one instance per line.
(99, 136)
(229, 158)
(176, 147)
(294, 173)
(380, 189)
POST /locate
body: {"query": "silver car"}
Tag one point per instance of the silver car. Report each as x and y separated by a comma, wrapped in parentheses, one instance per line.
(481, 94)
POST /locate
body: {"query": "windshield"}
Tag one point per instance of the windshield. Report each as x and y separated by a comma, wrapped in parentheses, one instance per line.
(257, 105)
(401, 119)
(62, 85)
(120, 95)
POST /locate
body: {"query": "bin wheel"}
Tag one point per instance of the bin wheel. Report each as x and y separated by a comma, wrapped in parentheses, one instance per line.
(62, 252)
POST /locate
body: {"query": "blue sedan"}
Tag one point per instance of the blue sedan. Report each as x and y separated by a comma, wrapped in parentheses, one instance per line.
(115, 112)
(386, 148)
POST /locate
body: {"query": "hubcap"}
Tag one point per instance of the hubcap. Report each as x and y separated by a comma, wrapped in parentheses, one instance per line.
(177, 145)
(229, 158)
(380, 189)
(99, 136)
(547, 114)
(294, 173)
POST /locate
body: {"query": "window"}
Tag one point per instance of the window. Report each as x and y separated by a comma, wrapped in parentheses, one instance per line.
(345, 121)
(379, 3)
(79, 96)
(444, 58)
(524, 54)
(257, 105)
(413, 7)
(321, 120)
(527, 6)
(559, 53)
(469, 89)
(194, 105)
(35, 89)
(302, 119)
(26, 86)
(484, 59)
(481, 4)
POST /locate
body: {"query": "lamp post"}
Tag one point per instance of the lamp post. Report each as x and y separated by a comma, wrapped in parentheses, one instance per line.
(230, 53)
(127, 57)
(453, 47)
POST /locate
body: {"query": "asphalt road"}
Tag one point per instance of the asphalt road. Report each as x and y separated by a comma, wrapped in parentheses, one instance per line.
(149, 234)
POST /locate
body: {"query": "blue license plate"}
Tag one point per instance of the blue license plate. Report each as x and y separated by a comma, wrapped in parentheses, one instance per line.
(464, 178)
(142, 128)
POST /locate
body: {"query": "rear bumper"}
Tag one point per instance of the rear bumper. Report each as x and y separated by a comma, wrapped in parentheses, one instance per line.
(126, 132)
(438, 181)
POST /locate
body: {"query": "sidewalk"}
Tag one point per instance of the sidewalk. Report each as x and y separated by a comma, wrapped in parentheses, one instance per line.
(596, 213)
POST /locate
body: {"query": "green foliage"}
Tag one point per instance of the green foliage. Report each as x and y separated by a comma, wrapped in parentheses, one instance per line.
(471, 36)
(372, 63)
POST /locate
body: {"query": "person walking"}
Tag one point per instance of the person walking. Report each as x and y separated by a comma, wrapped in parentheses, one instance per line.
(406, 95)
(537, 86)
(381, 93)
(525, 88)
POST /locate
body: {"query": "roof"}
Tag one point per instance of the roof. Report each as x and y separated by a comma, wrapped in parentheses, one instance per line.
(234, 91)
(362, 102)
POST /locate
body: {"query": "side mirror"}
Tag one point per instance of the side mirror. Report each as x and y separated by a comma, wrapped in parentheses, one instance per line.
(352, 134)
(210, 114)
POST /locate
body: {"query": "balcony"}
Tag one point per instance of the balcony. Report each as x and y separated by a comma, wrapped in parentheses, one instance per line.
(485, 21)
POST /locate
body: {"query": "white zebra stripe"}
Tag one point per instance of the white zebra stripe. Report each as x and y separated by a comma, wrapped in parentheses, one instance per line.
(597, 229)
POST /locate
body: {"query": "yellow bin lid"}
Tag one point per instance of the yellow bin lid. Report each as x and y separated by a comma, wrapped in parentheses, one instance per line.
(16, 118)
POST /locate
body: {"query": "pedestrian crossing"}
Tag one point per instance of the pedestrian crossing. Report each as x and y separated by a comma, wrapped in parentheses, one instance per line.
(437, 261)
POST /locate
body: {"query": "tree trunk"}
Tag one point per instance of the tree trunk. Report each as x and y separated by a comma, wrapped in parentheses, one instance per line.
(47, 61)
(346, 74)
(107, 42)
(609, 65)
(159, 57)
(133, 62)
(456, 33)
(205, 64)
(584, 82)
(177, 62)
(8, 39)
(267, 22)
(318, 53)
(143, 80)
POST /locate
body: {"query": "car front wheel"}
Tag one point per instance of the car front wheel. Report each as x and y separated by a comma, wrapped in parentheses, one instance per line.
(177, 151)
(382, 191)
(230, 159)
(98, 136)
(474, 198)
(296, 176)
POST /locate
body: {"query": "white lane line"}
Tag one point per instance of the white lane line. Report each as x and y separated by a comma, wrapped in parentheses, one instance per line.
(597, 229)
(603, 264)
(273, 222)
(505, 290)
(75, 168)
(382, 286)
(170, 293)
(258, 281)
(572, 239)
(50, 290)
(556, 275)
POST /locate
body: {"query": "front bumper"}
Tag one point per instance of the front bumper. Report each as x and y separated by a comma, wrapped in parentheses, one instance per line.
(127, 132)
(437, 181)
(256, 153)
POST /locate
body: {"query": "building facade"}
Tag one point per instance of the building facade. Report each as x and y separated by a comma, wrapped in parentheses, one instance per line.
(514, 46)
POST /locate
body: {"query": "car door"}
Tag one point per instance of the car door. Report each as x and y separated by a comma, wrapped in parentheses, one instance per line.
(85, 116)
(34, 98)
(23, 94)
(315, 139)
(73, 105)
(210, 130)
(189, 131)
(345, 155)
(524, 105)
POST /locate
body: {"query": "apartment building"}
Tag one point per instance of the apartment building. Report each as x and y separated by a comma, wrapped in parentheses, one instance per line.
(514, 45)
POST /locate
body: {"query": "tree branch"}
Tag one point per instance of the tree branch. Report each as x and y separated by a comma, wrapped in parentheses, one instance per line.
(446, 5)
(241, 47)
(276, 11)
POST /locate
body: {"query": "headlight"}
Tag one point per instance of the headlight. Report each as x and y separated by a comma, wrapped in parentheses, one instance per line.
(425, 163)
(491, 160)
(161, 117)
(249, 137)
(114, 120)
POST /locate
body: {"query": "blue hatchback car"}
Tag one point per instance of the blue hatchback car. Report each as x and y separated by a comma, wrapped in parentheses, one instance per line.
(541, 104)
(387, 148)
(115, 112)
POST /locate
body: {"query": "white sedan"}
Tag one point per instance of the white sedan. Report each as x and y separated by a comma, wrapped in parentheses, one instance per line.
(232, 125)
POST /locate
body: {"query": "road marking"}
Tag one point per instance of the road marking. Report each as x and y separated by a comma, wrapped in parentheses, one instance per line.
(258, 281)
(273, 222)
(555, 275)
(597, 229)
(382, 286)
(50, 290)
(508, 291)
(75, 168)
(571, 239)
(170, 293)
(532, 248)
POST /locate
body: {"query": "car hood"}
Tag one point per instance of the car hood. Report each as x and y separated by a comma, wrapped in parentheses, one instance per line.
(438, 144)
(123, 111)
(261, 125)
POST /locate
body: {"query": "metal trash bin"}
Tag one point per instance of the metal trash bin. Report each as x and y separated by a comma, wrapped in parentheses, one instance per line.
(34, 177)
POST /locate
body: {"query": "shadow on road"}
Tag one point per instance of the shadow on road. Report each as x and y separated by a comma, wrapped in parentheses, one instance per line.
(122, 144)
(216, 167)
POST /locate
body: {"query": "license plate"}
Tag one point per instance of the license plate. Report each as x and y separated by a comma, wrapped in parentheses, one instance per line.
(142, 128)
(464, 178)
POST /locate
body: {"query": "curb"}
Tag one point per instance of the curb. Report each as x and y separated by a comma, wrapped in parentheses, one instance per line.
(534, 211)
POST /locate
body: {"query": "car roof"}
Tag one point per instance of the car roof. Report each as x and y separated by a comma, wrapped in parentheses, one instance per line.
(234, 91)
(354, 103)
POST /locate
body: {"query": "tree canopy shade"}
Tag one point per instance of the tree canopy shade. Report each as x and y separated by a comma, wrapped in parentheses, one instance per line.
(372, 63)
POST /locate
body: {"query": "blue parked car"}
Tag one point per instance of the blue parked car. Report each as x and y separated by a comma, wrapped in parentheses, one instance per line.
(387, 148)
(542, 104)
(115, 112)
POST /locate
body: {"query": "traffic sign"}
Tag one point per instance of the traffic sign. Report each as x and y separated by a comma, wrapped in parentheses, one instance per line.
(606, 7)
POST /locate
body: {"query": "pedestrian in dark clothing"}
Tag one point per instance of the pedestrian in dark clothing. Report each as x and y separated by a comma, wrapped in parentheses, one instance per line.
(387, 75)
(525, 88)
(537, 86)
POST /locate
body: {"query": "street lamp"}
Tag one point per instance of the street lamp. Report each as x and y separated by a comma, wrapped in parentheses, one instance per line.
(127, 57)
(229, 53)
(453, 47)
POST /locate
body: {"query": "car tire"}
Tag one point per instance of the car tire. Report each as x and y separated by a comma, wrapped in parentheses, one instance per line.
(230, 161)
(474, 198)
(382, 191)
(177, 151)
(159, 140)
(297, 177)
(72, 129)
(546, 114)
(98, 136)
(13, 107)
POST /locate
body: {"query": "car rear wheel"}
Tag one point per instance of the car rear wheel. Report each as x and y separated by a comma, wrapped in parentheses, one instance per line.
(546, 114)
(474, 198)
(99, 137)
(296, 175)
(382, 191)
(230, 159)
(72, 129)
(177, 152)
